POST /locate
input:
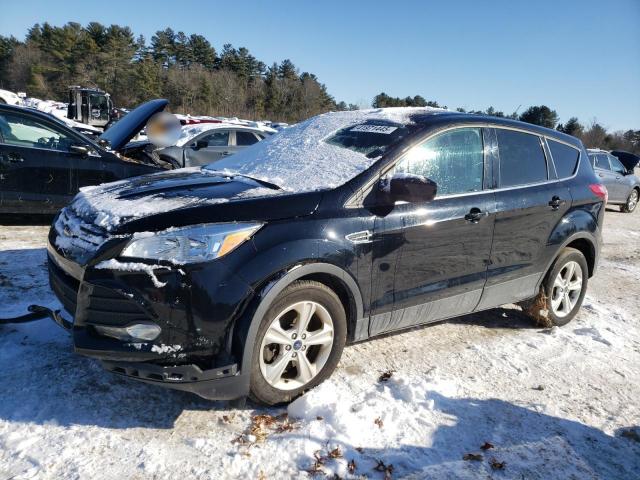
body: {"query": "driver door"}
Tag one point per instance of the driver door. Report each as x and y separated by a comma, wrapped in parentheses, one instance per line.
(35, 164)
(430, 259)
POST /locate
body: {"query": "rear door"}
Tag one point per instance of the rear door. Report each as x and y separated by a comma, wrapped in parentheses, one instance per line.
(35, 163)
(430, 259)
(244, 139)
(624, 182)
(530, 201)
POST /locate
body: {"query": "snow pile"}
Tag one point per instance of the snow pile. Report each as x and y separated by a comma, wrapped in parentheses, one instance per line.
(297, 159)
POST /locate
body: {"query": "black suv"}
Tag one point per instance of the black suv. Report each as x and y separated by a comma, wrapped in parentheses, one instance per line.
(249, 276)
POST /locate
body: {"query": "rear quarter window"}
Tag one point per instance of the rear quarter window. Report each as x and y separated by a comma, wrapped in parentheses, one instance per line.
(565, 158)
(522, 159)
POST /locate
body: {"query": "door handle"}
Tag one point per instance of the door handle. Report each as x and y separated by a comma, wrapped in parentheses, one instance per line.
(226, 153)
(601, 175)
(475, 215)
(617, 177)
(556, 202)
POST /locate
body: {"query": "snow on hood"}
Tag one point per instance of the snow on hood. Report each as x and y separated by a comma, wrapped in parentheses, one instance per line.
(297, 159)
(110, 204)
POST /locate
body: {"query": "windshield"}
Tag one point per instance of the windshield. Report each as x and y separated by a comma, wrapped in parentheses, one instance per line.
(372, 138)
(323, 152)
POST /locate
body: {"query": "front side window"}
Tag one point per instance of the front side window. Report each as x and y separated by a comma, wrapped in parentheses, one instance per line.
(565, 158)
(26, 132)
(244, 139)
(602, 161)
(522, 159)
(454, 160)
(616, 165)
(217, 139)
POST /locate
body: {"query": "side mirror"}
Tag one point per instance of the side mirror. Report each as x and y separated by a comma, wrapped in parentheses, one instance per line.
(80, 150)
(408, 188)
(201, 144)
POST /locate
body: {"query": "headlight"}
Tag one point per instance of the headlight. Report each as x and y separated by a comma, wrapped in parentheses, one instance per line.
(191, 244)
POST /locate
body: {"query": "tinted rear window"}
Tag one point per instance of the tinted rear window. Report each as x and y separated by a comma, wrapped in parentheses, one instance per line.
(372, 138)
(245, 138)
(522, 159)
(565, 158)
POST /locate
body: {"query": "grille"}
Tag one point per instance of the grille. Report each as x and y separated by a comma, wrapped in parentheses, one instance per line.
(64, 286)
(77, 237)
(110, 307)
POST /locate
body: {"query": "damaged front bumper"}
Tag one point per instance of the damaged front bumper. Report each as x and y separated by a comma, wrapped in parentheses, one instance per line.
(193, 351)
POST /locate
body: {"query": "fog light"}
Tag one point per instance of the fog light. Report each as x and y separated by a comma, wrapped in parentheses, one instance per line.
(136, 331)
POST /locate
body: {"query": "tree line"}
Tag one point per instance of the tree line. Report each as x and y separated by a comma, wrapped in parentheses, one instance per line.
(185, 69)
(198, 79)
(593, 135)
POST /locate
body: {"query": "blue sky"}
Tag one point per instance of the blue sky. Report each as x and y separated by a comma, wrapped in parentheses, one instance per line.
(581, 58)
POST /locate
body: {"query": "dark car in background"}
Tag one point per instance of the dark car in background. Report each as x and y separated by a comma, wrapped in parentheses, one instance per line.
(44, 163)
(623, 186)
(248, 277)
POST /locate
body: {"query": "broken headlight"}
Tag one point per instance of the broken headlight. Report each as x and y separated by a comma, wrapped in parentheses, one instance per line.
(190, 244)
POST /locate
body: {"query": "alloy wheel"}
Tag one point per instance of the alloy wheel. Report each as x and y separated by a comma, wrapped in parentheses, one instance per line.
(566, 289)
(296, 345)
(632, 201)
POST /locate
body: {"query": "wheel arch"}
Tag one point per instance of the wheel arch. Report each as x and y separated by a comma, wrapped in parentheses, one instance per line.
(583, 242)
(244, 330)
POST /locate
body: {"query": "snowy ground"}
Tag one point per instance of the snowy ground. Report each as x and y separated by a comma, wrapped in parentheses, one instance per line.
(560, 403)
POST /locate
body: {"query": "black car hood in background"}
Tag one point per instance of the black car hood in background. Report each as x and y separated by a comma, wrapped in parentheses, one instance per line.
(188, 197)
(629, 160)
(128, 126)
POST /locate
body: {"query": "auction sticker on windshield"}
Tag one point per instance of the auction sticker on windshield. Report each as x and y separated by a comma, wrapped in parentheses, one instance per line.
(385, 129)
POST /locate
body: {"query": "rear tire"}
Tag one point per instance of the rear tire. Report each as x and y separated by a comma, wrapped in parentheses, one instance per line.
(299, 342)
(565, 286)
(632, 201)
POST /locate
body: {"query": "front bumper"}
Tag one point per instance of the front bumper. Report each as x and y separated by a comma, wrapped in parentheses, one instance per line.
(223, 383)
(192, 351)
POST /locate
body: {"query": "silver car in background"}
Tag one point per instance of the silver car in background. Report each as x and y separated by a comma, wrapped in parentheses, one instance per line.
(204, 143)
(622, 184)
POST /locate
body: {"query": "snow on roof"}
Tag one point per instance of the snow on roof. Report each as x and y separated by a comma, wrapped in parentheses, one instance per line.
(297, 159)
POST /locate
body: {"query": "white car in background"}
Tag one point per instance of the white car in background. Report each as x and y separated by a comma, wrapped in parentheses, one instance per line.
(9, 98)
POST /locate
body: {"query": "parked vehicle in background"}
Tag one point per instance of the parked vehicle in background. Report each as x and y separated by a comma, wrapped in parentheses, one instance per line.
(91, 106)
(623, 186)
(44, 163)
(9, 98)
(207, 142)
(247, 277)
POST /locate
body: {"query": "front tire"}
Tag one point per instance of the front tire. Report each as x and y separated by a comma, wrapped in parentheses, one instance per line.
(299, 342)
(632, 201)
(566, 286)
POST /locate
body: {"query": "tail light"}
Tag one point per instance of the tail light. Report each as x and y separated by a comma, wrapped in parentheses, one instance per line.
(600, 191)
